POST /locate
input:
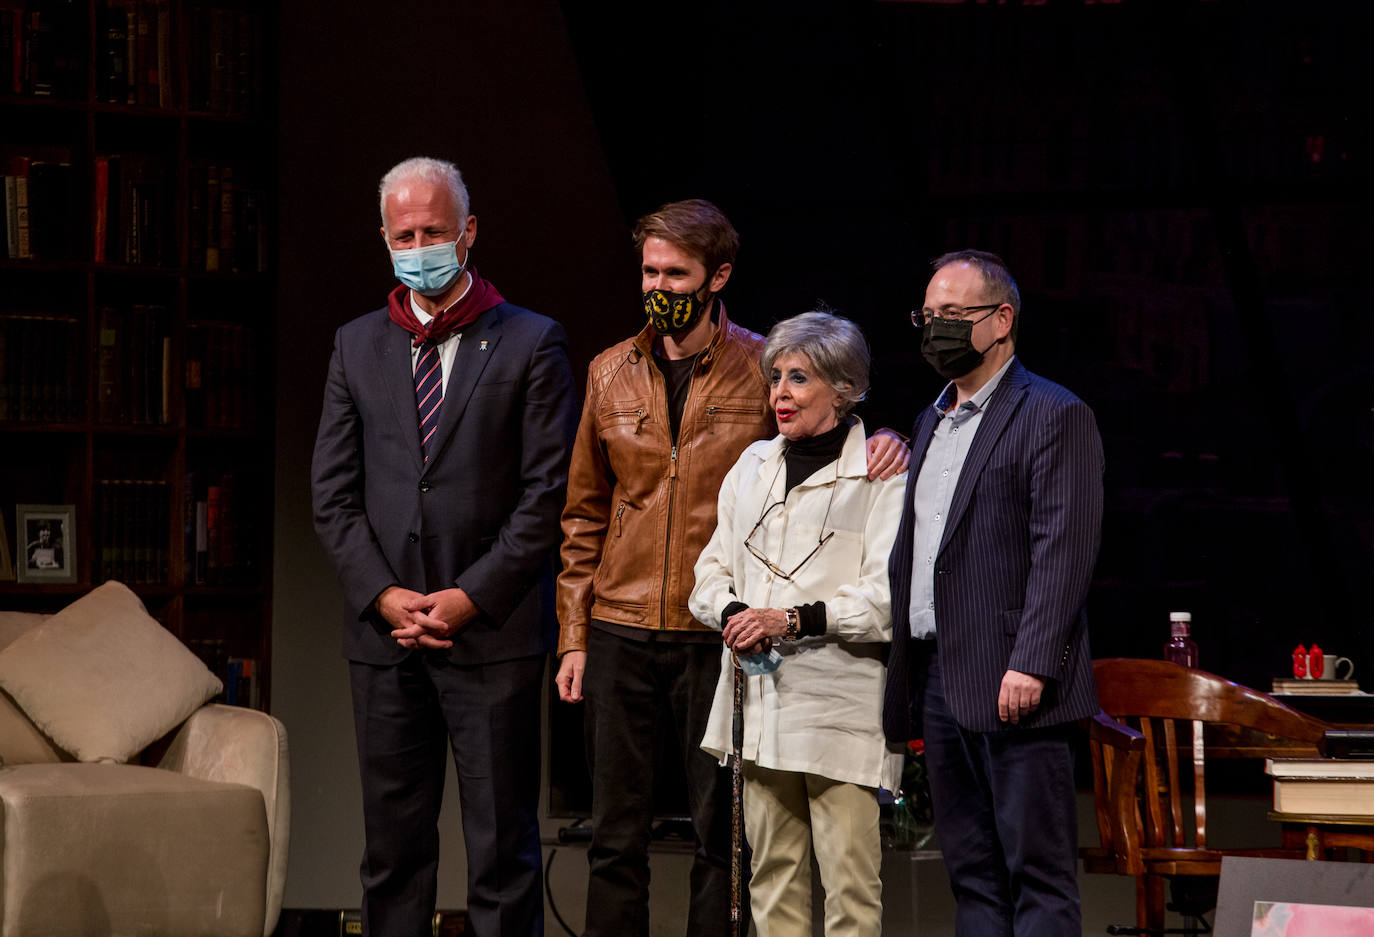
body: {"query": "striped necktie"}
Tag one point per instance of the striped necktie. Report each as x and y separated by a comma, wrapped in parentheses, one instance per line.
(429, 392)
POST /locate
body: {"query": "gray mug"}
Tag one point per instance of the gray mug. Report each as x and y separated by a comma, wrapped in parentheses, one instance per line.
(1332, 663)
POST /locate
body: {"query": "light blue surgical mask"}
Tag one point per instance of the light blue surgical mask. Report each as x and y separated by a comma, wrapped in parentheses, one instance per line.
(756, 665)
(431, 269)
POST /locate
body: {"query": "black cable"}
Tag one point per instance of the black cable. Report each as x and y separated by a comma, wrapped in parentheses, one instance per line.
(548, 890)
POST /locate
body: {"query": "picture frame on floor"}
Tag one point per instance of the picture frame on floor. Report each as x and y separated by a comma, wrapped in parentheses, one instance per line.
(1290, 897)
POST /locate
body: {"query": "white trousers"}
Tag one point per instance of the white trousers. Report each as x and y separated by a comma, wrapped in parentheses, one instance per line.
(787, 817)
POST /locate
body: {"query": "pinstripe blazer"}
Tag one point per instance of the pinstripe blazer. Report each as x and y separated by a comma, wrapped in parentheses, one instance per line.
(1014, 565)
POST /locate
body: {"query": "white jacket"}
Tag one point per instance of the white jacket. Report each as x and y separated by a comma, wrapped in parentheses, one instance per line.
(820, 712)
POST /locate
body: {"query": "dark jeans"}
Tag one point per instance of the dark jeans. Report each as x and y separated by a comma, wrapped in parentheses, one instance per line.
(406, 716)
(628, 686)
(1007, 820)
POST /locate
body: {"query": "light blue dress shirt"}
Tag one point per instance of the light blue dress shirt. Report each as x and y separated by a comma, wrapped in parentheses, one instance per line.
(944, 460)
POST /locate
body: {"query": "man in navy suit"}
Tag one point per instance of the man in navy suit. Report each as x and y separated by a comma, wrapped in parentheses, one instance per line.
(438, 478)
(989, 574)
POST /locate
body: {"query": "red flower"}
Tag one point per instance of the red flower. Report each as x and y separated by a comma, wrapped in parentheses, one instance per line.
(917, 746)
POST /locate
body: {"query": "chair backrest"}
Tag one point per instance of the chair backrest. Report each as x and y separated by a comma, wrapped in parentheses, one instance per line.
(1170, 705)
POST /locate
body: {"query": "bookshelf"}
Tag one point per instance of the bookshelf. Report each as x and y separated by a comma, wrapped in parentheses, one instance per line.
(137, 306)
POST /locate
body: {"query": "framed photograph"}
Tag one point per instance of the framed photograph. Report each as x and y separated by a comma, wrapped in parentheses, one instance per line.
(45, 542)
(1294, 898)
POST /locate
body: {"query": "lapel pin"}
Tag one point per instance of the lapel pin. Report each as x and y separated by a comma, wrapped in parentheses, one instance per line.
(484, 345)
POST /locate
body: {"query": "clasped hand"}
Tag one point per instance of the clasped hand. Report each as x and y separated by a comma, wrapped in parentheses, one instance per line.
(427, 621)
(751, 630)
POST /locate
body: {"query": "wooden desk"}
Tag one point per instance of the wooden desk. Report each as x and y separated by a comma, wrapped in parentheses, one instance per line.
(1321, 832)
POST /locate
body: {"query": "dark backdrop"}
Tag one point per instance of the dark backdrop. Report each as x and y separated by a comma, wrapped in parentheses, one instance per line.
(1181, 189)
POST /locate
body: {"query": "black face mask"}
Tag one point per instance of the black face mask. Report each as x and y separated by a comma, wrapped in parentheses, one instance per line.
(673, 313)
(947, 344)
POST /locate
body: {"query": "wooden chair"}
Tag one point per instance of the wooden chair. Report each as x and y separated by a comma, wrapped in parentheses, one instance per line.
(1158, 719)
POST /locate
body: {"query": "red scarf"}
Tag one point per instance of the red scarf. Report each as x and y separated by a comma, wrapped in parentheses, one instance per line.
(480, 297)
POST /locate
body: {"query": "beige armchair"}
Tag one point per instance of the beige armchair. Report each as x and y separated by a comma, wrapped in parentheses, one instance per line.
(187, 839)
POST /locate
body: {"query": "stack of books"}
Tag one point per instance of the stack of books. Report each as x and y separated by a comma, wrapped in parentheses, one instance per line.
(1323, 786)
(1298, 687)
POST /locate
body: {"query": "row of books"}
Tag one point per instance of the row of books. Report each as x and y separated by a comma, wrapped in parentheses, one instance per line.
(41, 47)
(226, 232)
(132, 537)
(217, 526)
(134, 203)
(219, 376)
(134, 53)
(41, 204)
(40, 381)
(133, 365)
(134, 207)
(226, 56)
(1323, 786)
(238, 674)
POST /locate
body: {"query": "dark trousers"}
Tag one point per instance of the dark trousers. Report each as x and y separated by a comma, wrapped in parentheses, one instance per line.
(1007, 821)
(628, 686)
(406, 716)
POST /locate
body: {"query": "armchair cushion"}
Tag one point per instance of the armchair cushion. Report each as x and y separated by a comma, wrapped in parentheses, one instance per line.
(20, 741)
(102, 679)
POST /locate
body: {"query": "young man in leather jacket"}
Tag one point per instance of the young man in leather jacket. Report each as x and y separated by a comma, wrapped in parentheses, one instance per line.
(666, 414)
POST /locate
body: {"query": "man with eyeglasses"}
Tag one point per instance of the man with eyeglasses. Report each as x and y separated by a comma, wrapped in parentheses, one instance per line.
(667, 413)
(990, 574)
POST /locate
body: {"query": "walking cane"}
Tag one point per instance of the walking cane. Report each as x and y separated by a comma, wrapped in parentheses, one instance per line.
(737, 926)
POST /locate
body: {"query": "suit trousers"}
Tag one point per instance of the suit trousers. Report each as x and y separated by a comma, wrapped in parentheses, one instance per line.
(788, 815)
(406, 716)
(1007, 820)
(630, 687)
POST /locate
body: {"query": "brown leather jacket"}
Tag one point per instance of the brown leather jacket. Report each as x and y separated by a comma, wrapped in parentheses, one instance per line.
(640, 510)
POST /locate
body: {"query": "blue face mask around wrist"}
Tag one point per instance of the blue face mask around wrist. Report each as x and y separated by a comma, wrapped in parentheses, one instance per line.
(429, 270)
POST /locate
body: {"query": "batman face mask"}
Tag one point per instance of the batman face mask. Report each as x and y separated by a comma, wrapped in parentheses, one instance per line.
(674, 313)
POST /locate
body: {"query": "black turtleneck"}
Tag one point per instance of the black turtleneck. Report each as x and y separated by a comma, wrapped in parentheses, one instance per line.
(810, 454)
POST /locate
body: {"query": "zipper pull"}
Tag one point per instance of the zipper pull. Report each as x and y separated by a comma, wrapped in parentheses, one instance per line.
(672, 464)
(619, 524)
(640, 414)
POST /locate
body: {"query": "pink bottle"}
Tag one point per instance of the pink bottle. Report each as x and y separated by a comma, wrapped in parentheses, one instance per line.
(1181, 649)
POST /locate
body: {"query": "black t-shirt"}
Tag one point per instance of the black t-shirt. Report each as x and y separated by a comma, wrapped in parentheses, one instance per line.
(677, 376)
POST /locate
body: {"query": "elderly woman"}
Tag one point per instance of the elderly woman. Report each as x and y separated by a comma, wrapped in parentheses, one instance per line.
(795, 576)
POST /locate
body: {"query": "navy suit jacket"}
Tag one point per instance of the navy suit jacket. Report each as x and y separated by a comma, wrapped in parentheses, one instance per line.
(1014, 565)
(482, 515)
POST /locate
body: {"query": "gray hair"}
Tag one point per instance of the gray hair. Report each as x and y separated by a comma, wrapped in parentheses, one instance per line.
(426, 169)
(997, 279)
(834, 346)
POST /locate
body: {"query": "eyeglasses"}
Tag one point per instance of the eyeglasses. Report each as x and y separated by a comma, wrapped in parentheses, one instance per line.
(922, 317)
(774, 568)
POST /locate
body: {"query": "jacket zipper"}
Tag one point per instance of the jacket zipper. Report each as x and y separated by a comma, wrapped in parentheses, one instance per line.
(619, 523)
(639, 416)
(668, 540)
(712, 410)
